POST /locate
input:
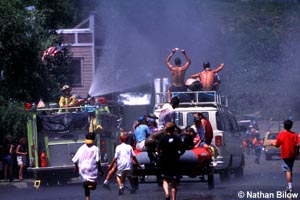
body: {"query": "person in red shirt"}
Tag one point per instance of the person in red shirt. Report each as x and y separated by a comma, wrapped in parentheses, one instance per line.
(207, 127)
(287, 140)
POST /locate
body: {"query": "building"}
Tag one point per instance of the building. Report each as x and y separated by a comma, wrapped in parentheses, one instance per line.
(82, 41)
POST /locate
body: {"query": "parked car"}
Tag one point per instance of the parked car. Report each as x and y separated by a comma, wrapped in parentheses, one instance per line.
(244, 125)
(270, 150)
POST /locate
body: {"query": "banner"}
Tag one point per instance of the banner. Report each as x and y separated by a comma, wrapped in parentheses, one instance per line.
(62, 123)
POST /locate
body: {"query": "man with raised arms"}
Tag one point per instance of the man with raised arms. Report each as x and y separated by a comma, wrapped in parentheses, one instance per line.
(178, 71)
(208, 78)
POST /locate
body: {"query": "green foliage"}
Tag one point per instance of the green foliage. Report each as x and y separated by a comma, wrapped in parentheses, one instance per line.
(13, 120)
(26, 30)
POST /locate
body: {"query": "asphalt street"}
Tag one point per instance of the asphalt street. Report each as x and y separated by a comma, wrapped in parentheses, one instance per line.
(263, 181)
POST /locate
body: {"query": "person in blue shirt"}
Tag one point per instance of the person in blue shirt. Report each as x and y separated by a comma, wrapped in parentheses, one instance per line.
(141, 132)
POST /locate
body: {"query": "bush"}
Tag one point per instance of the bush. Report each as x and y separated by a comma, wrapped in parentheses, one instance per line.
(13, 120)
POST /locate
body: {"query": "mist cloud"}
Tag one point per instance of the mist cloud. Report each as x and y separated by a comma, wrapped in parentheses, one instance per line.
(138, 35)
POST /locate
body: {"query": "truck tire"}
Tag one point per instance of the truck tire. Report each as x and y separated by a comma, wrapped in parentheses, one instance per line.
(239, 172)
(210, 181)
(224, 174)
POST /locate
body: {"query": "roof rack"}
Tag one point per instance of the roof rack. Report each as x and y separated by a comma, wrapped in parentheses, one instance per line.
(193, 99)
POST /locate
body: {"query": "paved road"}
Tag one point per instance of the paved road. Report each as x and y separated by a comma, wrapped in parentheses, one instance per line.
(264, 181)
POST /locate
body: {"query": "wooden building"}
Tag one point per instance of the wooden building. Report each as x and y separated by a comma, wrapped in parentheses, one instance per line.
(82, 41)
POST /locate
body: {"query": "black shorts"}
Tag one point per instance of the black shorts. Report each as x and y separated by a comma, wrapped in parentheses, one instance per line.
(169, 169)
(178, 89)
(287, 164)
(195, 86)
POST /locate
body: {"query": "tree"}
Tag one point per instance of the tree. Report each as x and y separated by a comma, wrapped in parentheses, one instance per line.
(26, 30)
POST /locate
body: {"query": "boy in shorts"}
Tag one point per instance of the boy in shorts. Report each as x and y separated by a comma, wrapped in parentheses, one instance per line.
(87, 163)
(287, 140)
(123, 156)
(22, 152)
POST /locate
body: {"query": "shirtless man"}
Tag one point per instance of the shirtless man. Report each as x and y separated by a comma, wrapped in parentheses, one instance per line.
(208, 77)
(178, 71)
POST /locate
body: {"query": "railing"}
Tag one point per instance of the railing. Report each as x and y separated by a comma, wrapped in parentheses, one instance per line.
(199, 98)
(57, 110)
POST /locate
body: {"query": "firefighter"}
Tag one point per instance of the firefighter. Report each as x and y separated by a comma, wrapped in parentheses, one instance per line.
(67, 100)
(94, 127)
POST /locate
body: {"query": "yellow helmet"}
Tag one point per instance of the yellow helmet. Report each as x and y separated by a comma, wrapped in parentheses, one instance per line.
(66, 87)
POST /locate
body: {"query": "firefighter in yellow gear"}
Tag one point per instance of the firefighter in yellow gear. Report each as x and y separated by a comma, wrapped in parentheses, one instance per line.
(67, 100)
(94, 127)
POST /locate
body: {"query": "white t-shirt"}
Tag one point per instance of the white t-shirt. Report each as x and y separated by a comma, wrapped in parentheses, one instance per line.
(167, 114)
(124, 153)
(87, 158)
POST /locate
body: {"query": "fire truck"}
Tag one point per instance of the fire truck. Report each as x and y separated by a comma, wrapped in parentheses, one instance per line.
(54, 135)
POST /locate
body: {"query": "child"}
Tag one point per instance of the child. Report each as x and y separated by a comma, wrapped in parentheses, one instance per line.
(130, 139)
(287, 140)
(21, 152)
(87, 163)
(7, 159)
(123, 156)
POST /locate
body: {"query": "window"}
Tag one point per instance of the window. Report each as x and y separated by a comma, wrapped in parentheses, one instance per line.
(220, 122)
(272, 136)
(179, 119)
(75, 73)
(190, 117)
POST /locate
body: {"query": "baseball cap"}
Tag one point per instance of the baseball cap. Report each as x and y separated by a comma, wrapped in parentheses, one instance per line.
(142, 118)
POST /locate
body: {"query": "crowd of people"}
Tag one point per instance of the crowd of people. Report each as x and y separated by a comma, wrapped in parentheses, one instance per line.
(164, 142)
(252, 143)
(159, 136)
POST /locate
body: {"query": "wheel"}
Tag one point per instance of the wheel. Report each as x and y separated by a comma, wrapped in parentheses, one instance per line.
(225, 174)
(239, 172)
(211, 181)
